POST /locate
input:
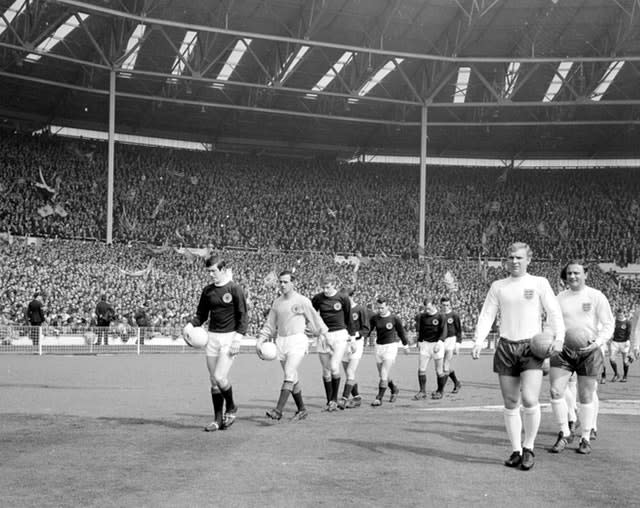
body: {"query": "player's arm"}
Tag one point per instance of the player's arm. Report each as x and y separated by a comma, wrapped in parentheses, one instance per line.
(202, 311)
(242, 319)
(554, 314)
(401, 333)
(485, 320)
(314, 320)
(267, 332)
(605, 320)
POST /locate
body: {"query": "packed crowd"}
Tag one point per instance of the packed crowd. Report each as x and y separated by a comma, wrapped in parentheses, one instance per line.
(56, 188)
(73, 274)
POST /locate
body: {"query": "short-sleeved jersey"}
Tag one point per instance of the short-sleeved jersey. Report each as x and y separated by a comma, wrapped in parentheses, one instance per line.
(225, 307)
(622, 330)
(431, 327)
(360, 319)
(587, 308)
(521, 302)
(388, 329)
(292, 315)
(335, 311)
(454, 326)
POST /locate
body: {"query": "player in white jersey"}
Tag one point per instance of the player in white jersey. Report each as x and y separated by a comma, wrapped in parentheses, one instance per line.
(290, 314)
(520, 299)
(587, 308)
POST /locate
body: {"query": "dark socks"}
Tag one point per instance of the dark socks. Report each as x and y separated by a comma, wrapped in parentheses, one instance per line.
(297, 396)
(335, 387)
(227, 394)
(218, 403)
(328, 388)
(354, 390)
(453, 377)
(422, 381)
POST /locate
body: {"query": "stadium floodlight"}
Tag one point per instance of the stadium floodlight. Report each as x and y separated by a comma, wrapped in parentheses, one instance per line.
(238, 51)
(331, 74)
(133, 48)
(11, 13)
(290, 64)
(184, 54)
(379, 76)
(462, 83)
(606, 80)
(557, 81)
(59, 35)
(510, 79)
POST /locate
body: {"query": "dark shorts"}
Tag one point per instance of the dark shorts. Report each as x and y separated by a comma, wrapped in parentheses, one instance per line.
(513, 357)
(583, 364)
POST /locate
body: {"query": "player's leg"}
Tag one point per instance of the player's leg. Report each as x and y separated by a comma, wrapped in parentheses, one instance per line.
(441, 377)
(354, 355)
(217, 399)
(587, 394)
(626, 350)
(325, 362)
(571, 399)
(510, 389)
(531, 382)
(613, 352)
(339, 346)
(424, 354)
(221, 377)
(450, 347)
(558, 381)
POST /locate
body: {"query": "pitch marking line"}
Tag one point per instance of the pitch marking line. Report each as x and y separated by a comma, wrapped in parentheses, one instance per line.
(612, 407)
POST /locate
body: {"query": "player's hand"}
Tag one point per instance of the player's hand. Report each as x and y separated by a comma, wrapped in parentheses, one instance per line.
(436, 348)
(234, 348)
(186, 331)
(405, 348)
(259, 343)
(475, 351)
(322, 342)
(456, 349)
(352, 347)
(591, 347)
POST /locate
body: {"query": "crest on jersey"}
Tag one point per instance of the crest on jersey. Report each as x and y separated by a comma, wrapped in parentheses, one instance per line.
(623, 327)
(436, 322)
(226, 298)
(450, 320)
(337, 306)
(586, 306)
(354, 316)
(388, 326)
(528, 294)
(296, 308)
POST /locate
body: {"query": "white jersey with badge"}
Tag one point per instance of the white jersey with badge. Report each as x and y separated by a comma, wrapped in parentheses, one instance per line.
(590, 309)
(521, 302)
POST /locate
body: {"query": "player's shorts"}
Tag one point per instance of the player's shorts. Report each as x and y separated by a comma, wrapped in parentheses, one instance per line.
(426, 349)
(336, 341)
(583, 364)
(297, 345)
(622, 348)
(450, 343)
(357, 354)
(219, 343)
(513, 357)
(386, 352)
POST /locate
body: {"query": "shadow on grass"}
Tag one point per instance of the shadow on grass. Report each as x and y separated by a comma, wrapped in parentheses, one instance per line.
(382, 447)
(147, 421)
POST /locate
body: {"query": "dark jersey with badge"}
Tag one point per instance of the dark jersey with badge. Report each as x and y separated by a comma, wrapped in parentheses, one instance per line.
(622, 331)
(360, 318)
(335, 311)
(225, 307)
(431, 327)
(454, 327)
(388, 329)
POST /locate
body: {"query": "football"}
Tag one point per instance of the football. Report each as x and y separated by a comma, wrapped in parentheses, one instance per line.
(197, 337)
(269, 351)
(541, 345)
(577, 338)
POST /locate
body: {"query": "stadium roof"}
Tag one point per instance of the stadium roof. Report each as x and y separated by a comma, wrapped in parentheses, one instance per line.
(333, 78)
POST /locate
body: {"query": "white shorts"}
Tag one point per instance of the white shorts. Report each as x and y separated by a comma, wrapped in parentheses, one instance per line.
(292, 345)
(426, 349)
(357, 354)
(336, 341)
(219, 343)
(450, 343)
(622, 348)
(385, 352)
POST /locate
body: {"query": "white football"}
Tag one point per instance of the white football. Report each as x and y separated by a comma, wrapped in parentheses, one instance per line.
(197, 337)
(269, 351)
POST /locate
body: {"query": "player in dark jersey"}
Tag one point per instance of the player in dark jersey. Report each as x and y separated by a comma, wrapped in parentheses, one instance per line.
(432, 332)
(353, 354)
(452, 342)
(620, 344)
(223, 304)
(388, 329)
(334, 308)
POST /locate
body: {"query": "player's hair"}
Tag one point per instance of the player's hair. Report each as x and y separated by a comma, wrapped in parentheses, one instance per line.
(216, 261)
(520, 245)
(287, 272)
(351, 291)
(36, 294)
(428, 300)
(563, 272)
(445, 299)
(329, 279)
(381, 299)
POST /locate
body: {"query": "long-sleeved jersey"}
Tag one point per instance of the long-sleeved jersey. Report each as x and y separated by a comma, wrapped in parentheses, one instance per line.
(454, 326)
(291, 316)
(622, 330)
(431, 327)
(360, 319)
(587, 308)
(388, 329)
(224, 306)
(521, 301)
(335, 311)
